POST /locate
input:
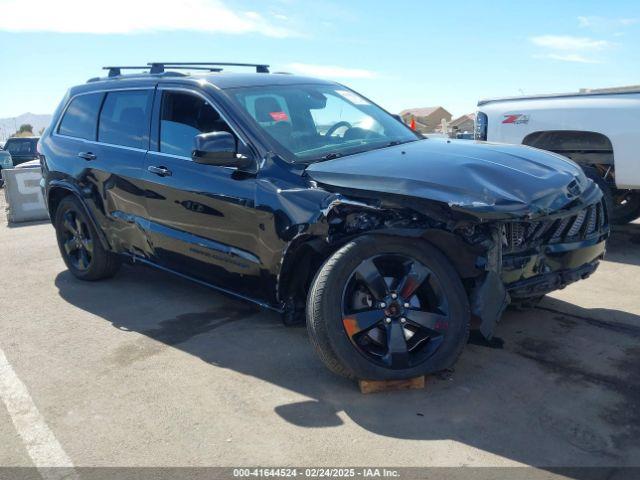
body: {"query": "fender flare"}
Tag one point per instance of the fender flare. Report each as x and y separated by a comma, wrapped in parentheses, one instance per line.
(315, 249)
(462, 256)
(57, 185)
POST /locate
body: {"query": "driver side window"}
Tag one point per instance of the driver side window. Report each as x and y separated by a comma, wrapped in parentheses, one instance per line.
(337, 110)
(183, 116)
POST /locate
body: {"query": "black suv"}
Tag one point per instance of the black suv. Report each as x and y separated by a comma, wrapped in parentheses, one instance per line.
(297, 193)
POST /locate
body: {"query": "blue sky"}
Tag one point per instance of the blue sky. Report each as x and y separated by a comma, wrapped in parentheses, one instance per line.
(401, 54)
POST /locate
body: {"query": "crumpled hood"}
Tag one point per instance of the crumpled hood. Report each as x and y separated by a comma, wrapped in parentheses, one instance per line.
(484, 179)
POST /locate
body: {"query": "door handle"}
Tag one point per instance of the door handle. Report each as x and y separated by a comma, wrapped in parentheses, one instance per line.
(87, 155)
(162, 171)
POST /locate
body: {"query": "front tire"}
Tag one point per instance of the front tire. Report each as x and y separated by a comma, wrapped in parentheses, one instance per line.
(79, 244)
(386, 308)
(626, 206)
(623, 206)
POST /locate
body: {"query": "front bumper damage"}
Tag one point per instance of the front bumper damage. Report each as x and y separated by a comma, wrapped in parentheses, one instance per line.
(532, 258)
(500, 257)
(557, 269)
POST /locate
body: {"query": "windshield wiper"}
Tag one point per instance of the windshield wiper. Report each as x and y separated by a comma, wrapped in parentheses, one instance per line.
(393, 143)
(331, 156)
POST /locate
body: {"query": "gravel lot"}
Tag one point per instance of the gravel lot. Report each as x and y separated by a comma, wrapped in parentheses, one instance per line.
(150, 370)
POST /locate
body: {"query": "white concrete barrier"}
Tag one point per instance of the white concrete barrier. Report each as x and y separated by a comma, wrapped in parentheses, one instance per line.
(23, 194)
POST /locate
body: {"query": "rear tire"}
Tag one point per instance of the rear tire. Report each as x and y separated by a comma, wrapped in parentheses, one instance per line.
(358, 355)
(79, 243)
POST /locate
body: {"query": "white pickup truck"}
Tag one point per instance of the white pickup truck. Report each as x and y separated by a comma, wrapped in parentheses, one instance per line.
(598, 129)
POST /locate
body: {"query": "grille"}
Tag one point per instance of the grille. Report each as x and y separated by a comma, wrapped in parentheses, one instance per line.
(522, 235)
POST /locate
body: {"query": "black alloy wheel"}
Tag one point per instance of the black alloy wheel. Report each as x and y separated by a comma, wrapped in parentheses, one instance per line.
(387, 308)
(77, 241)
(394, 311)
(81, 249)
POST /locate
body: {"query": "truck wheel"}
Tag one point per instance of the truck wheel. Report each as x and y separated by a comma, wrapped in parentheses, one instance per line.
(384, 308)
(626, 206)
(79, 245)
(623, 206)
(607, 194)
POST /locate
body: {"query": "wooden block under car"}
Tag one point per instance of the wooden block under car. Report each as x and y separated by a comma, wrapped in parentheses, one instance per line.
(374, 386)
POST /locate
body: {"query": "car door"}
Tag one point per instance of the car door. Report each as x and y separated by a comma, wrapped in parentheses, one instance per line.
(105, 155)
(119, 166)
(202, 217)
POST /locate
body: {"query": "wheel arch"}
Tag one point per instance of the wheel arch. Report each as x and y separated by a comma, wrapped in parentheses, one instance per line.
(582, 146)
(58, 191)
(304, 257)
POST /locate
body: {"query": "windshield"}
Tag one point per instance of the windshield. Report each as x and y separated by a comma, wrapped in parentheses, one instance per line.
(319, 122)
(21, 146)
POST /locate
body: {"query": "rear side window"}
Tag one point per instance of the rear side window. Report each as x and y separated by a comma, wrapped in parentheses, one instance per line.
(124, 119)
(81, 117)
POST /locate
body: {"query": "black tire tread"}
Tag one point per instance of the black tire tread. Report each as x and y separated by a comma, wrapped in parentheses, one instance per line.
(105, 264)
(317, 327)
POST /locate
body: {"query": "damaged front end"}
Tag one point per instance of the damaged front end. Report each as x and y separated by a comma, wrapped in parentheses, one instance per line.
(547, 254)
(531, 257)
(515, 222)
(500, 261)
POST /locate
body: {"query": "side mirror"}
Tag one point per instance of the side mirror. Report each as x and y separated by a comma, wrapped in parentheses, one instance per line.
(220, 149)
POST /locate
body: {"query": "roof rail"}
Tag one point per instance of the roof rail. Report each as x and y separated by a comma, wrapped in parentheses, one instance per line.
(159, 67)
(116, 71)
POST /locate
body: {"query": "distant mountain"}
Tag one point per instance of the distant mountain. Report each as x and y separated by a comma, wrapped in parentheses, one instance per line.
(8, 126)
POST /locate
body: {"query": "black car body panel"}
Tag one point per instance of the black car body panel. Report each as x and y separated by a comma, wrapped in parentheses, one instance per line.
(262, 233)
(486, 180)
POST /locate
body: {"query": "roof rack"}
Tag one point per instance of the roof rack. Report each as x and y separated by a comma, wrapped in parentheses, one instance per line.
(115, 71)
(159, 67)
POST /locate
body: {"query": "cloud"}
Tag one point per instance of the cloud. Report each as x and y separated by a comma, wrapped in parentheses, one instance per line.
(628, 21)
(330, 71)
(569, 57)
(567, 48)
(567, 42)
(603, 23)
(139, 16)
